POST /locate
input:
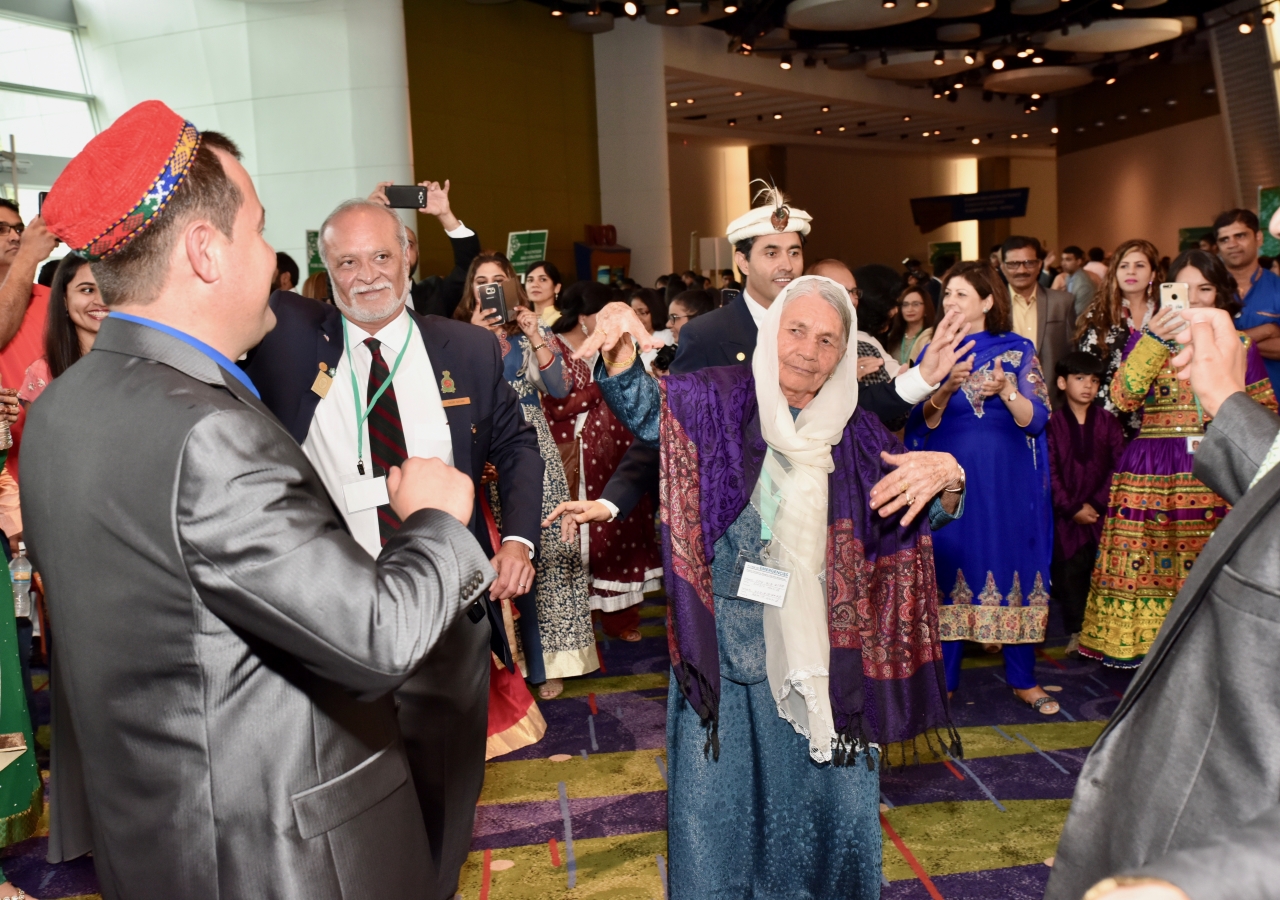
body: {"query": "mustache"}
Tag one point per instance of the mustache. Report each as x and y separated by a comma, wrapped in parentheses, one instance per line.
(371, 288)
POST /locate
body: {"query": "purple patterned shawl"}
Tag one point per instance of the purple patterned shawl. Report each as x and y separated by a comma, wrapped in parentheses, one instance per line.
(887, 681)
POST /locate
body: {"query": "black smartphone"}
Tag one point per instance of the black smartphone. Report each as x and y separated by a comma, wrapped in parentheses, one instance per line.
(40, 201)
(494, 298)
(406, 196)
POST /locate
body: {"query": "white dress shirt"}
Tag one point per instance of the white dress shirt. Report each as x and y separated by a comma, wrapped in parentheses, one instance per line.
(331, 440)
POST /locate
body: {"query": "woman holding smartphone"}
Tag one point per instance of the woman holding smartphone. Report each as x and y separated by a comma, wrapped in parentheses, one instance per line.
(1159, 515)
(555, 623)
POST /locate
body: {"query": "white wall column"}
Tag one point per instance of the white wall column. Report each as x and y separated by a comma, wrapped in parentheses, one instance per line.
(315, 93)
(631, 128)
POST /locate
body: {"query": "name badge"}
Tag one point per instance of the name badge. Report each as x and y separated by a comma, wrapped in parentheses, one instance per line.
(324, 381)
(763, 584)
(365, 493)
(1193, 443)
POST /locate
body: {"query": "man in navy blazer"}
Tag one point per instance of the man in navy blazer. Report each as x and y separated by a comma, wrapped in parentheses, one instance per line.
(449, 399)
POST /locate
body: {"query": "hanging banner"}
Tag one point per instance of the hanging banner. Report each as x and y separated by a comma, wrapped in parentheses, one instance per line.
(524, 248)
(314, 262)
(931, 213)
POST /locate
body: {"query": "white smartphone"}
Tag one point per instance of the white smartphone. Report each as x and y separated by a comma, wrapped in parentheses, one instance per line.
(1174, 294)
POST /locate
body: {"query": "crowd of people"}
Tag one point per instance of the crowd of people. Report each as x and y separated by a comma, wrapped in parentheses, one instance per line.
(311, 550)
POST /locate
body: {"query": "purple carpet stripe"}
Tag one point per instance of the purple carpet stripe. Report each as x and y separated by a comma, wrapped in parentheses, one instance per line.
(1053, 762)
(568, 835)
(642, 725)
(978, 781)
(1062, 710)
(520, 824)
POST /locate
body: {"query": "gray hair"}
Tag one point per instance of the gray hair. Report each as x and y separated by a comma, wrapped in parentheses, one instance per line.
(358, 203)
(828, 290)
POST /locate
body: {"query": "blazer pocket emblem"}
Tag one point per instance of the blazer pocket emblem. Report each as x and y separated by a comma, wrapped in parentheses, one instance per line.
(446, 383)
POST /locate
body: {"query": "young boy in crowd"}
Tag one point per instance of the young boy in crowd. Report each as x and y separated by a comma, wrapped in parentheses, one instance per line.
(1085, 445)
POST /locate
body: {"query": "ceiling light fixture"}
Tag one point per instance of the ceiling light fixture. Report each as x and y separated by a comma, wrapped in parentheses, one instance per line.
(785, 62)
(1035, 96)
(939, 58)
(1246, 25)
(733, 122)
(959, 85)
(924, 134)
(976, 141)
(673, 9)
(777, 116)
(593, 8)
(923, 4)
(557, 9)
(1268, 18)
(817, 131)
(747, 47)
(937, 131)
(730, 7)
(906, 118)
(826, 109)
(1112, 80)
(631, 8)
(1013, 137)
(1025, 136)
(1037, 59)
(688, 100)
(737, 93)
(673, 103)
(968, 59)
(997, 64)
(1119, 7)
(1154, 54)
(889, 4)
(841, 128)
(1053, 130)
(937, 95)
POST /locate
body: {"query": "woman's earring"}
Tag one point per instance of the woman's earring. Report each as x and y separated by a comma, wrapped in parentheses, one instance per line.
(986, 309)
(583, 326)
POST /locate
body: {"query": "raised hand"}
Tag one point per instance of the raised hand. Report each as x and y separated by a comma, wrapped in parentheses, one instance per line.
(917, 478)
(996, 381)
(437, 198)
(945, 348)
(613, 324)
(527, 319)
(1213, 359)
(379, 194)
(486, 318)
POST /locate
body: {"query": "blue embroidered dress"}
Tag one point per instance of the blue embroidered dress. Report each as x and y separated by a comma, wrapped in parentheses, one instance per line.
(993, 566)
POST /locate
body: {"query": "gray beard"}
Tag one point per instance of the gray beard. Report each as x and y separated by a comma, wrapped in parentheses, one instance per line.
(368, 313)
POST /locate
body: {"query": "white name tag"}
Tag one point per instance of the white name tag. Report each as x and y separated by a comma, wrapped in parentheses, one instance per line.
(1193, 443)
(365, 493)
(763, 584)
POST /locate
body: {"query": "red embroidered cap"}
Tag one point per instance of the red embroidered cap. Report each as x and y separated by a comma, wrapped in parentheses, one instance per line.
(122, 180)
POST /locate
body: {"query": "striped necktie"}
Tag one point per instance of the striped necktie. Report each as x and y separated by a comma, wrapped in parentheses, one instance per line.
(386, 433)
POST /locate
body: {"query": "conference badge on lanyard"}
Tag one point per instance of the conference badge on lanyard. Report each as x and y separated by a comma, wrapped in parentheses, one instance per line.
(363, 491)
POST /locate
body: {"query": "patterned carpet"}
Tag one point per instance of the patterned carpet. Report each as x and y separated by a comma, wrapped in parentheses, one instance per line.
(582, 814)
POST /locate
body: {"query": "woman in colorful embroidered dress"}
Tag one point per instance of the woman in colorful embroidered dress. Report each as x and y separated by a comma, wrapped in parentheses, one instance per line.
(556, 616)
(993, 568)
(1121, 307)
(1159, 515)
(773, 790)
(623, 557)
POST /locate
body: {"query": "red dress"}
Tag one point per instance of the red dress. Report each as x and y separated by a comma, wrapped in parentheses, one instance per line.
(623, 556)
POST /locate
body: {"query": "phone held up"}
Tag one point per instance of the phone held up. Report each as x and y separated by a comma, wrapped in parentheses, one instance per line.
(494, 299)
(1174, 295)
(406, 196)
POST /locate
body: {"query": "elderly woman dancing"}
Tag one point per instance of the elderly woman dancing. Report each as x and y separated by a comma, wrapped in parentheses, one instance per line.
(803, 624)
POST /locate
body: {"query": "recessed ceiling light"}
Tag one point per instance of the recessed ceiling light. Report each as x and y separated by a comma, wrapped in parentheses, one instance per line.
(673, 7)
(730, 7)
(889, 4)
(1154, 54)
(968, 59)
(924, 134)
(922, 4)
(976, 141)
(737, 93)
(817, 131)
(1268, 18)
(1013, 137)
(673, 103)
(959, 85)
(777, 116)
(937, 95)
(785, 62)
(939, 58)
(937, 131)
(1118, 6)
(1026, 136)
(1053, 130)
(1246, 27)
(1037, 59)
(1112, 80)
(688, 100)
(906, 118)
(841, 128)
(997, 64)
(733, 122)
(631, 8)
(1035, 96)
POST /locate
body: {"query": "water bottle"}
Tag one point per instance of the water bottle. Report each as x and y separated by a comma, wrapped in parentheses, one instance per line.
(20, 573)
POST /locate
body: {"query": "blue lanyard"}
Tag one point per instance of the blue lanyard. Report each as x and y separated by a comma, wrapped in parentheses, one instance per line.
(361, 417)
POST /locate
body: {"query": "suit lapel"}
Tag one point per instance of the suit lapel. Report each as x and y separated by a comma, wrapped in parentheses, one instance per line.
(459, 416)
(329, 350)
(743, 335)
(1042, 313)
(1252, 507)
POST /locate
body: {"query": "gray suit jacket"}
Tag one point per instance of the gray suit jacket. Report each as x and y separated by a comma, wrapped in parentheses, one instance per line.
(1184, 782)
(1055, 327)
(225, 648)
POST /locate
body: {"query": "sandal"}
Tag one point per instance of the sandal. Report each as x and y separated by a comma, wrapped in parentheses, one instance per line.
(551, 689)
(631, 635)
(1040, 705)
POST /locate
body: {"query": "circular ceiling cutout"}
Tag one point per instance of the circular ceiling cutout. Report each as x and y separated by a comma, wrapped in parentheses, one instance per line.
(1040, 80)
(852, 15)
(960, 31)
(922, 65)
(1032, 7)
(690, 14)
(1143, 4)
(581, 22)
(1114, 35)
(956, 9)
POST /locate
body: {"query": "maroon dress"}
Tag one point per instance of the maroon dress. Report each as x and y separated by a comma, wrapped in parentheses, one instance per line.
(623, 556)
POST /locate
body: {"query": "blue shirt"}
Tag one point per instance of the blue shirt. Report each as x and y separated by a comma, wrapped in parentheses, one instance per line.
(1262, 307)
(227, 365)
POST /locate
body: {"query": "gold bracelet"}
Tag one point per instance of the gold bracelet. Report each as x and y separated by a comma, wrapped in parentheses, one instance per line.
(934, 405)
(626, 363)
(539, 347)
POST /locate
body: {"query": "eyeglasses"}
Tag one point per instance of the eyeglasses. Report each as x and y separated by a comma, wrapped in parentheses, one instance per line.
(5, 228)
(1016, 264)
(856, 293)
(674, 316)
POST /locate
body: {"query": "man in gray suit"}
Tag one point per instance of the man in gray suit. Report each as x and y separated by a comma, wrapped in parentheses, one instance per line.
(1180, 796)
(1044, 317)
(225, 648)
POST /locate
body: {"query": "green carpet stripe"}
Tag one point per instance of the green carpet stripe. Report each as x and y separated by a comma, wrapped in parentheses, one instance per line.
(611, 684)
(653, 612)
(610, 868)
(971, 836)
(599, 775)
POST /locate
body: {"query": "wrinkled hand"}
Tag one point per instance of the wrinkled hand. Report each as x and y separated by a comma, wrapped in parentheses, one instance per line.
(1213, 359)
(527, 319)
(37, 241)
(613, 324)
(486, 318)
(918, 478)
(997, 380)
(1087, 515)
(573, 513)
(869, 364)
(515, 571)
(945, 350)
(437, 198)
(428, 483)
(1167, 324)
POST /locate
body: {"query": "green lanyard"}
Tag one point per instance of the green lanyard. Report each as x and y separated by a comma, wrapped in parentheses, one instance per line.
(355, 389)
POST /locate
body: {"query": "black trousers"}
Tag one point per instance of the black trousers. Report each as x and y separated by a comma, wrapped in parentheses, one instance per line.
(1070, 578)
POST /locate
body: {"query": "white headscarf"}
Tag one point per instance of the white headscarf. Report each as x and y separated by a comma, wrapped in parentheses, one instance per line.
(797, 635)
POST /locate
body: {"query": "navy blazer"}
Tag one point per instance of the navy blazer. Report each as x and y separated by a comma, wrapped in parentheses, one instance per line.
(722, 337)
(436, 296)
